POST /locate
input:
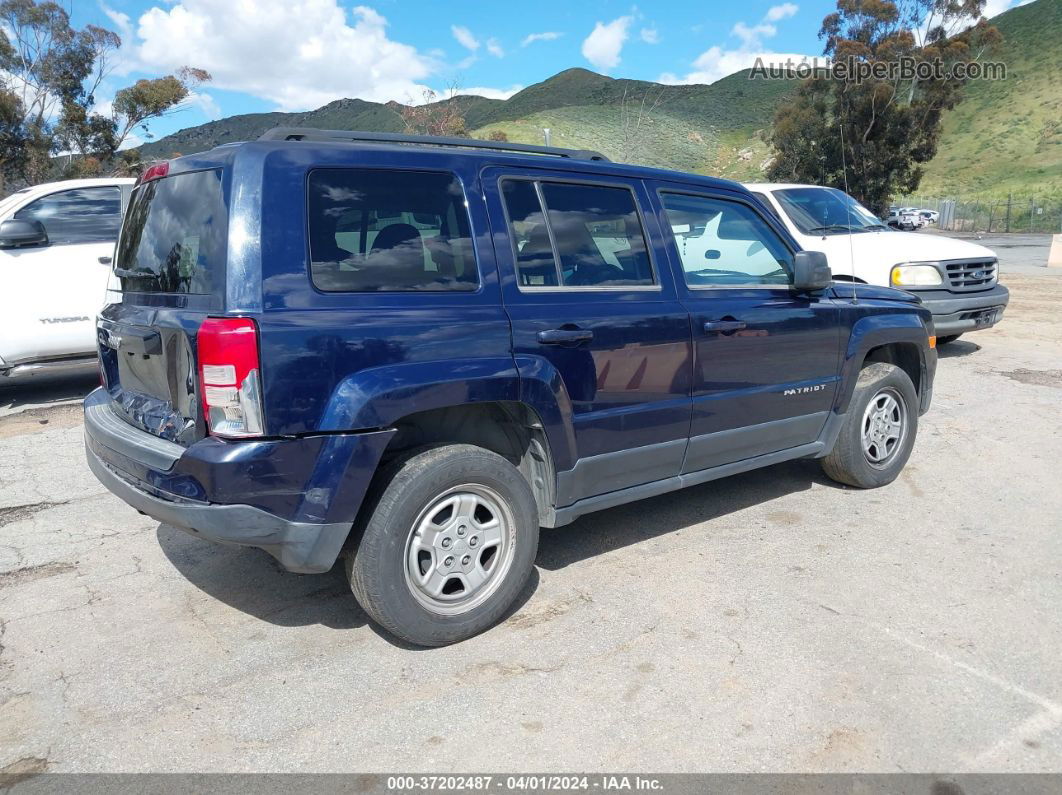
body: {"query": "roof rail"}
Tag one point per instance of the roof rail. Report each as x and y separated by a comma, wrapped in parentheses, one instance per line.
(312, 134)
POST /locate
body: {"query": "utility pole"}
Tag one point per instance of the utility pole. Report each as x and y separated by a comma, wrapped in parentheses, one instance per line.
(546, 135)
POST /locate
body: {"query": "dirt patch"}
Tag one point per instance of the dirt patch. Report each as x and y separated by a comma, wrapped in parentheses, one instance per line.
(36, 420)
(16, 513)
(1035, 377)
(20, 770)
(31, 573)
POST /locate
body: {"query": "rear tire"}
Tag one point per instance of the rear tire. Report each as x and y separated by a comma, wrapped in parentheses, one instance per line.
(449, 542)
(879, 429)
(947, 339)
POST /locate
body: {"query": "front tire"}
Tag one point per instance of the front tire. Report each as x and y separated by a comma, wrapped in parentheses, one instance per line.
(879, 429)
(448, 545)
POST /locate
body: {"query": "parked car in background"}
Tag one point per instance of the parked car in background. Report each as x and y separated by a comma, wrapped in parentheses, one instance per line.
(958, 281)
(929, 217)
(56, 243)
(410, 353)
(905, 218)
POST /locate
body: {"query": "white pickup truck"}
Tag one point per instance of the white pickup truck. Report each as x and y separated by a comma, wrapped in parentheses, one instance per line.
(56, 244)
(958, 281)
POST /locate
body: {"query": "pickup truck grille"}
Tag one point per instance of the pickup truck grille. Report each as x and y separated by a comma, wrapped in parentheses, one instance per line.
(970, 274)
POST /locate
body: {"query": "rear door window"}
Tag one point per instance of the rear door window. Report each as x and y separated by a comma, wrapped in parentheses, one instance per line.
(380, 231)
(576, 235)
(174, 239)
(81, 215)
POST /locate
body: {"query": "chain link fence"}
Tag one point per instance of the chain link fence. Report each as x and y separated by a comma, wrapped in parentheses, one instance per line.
(1010, 214)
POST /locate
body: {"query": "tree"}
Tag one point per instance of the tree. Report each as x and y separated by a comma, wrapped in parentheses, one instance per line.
(889, 115)
(99, 137)
(50, 73)
(636, 117)
(434, 116)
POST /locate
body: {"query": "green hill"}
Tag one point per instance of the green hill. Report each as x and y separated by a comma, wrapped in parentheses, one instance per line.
(1006, 135)
(695, 128)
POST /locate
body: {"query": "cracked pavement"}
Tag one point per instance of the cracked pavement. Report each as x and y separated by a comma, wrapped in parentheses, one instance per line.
(767, 622)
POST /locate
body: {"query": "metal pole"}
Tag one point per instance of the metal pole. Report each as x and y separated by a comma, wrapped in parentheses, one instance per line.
(1009, 196)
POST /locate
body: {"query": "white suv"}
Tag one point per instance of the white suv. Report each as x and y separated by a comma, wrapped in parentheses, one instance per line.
(56, 244)
(958, 281)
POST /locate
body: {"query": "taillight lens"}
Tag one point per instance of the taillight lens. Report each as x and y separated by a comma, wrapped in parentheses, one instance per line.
(154, 171)
(229, 379)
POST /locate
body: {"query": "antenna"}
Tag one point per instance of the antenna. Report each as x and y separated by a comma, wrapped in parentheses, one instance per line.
(848, 211)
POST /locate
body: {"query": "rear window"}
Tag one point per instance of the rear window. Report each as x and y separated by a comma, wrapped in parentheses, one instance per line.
(374, 231)
(174, 236)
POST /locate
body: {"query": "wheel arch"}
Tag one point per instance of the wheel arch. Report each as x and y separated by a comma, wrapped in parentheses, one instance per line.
(510, 428)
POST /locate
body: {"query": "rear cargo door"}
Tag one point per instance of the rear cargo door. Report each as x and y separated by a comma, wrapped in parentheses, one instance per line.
(169, 275)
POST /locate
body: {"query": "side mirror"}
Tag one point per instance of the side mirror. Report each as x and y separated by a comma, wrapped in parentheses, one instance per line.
(811, 271)
(21, 233)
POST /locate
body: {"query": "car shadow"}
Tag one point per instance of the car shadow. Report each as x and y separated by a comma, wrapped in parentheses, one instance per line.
(606, 531)
(44, 391)
(253, 582)
(956, 349)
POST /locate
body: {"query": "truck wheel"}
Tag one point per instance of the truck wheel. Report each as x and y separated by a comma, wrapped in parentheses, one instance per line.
(879, 429)
(947, 339)
(449, 542)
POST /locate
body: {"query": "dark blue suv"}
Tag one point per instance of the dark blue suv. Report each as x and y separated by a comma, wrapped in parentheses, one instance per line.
(411, 353)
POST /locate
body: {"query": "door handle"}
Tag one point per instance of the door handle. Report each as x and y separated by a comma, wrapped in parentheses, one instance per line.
(561, 336)
(104, 260)
(724, 326)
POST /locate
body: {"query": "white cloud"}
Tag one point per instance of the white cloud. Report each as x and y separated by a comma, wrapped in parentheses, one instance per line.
(549, 35)
(206, 104)
(491, 93)
(994, 8)
(649, 35)
(717, 62)
(603, 46)
(297, 53)
(495, 48)
(464, 37)
(752, 37)
(780, 12)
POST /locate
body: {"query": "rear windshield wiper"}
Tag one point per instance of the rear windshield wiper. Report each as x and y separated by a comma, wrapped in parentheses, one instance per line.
(134, 274)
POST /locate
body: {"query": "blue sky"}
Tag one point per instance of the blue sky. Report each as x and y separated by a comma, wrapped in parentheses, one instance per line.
(299, 54)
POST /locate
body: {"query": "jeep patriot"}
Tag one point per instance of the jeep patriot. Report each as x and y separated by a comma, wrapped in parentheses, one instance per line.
(408, 354)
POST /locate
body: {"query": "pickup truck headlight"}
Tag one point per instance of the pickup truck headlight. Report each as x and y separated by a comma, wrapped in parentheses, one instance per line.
(915, 276)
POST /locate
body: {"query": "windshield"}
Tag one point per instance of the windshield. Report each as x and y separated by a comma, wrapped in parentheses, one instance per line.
(174, 236)
(826, 211)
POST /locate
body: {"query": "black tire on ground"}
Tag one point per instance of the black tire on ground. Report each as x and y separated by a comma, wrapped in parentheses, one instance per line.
(401, 498)
(848, 463)
(947, 339)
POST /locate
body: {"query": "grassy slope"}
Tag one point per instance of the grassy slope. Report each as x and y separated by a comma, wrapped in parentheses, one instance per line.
(999, 139)
(708, 129)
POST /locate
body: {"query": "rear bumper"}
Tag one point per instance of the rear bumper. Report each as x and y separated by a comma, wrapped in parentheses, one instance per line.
(955, 313)
(295, 498)
(299, 546)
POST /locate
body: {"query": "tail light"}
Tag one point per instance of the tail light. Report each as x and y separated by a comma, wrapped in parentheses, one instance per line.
(229, 378)
(154, 171)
